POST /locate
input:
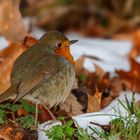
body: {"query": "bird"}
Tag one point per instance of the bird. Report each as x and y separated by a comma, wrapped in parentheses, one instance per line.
(46, 71)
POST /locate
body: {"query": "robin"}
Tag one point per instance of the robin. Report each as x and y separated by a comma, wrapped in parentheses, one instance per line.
(45, 71)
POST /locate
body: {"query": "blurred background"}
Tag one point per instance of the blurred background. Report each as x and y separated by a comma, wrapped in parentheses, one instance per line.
(95, 18)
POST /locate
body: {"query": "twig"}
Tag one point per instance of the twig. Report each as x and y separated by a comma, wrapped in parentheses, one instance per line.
(51, 114)
(104, 127)
(92, 57)
(36, 116)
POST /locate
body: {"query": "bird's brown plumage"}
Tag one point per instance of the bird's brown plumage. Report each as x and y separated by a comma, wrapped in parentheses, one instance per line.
(45, 71)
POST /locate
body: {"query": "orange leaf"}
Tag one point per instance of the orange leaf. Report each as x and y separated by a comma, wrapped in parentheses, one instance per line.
(44, 114)
(136, 45)
(9, 55)
(11, 23)
(79, 64)
(22, 112)
(131, 79)
(94, 102)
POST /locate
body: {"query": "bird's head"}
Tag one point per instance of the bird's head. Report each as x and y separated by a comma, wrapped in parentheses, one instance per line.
(58, 44)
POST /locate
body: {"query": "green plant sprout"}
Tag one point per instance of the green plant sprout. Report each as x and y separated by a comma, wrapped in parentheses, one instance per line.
(10, 109)
(123, 127)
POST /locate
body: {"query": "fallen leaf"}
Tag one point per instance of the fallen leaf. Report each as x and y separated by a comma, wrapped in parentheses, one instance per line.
(11, 23)
(29, 41)
(79, 65)
(91, 82)
(72, 106)
(81, 96)
(13, 132)
(136, 45)
(94, 102)
(44, 115)
(122, 36)
(99, 71)
(8, 57)
(130, 79)
(94, 81)
(106, 101)
(115, 87)
(22, 112)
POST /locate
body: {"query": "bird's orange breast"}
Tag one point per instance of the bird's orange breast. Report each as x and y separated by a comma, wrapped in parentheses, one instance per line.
(64, 51)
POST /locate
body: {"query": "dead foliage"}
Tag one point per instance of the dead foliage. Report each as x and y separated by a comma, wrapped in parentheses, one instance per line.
(8, 57)
(13, 132)
(130, 79)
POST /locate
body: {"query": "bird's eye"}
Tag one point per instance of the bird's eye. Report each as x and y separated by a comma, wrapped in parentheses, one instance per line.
(59, 45)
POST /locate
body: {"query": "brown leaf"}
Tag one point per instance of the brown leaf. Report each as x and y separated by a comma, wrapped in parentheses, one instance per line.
(72, 106)
(22, 112)
(94, 102)
(29, 41)
(90, 31)
(106, 101)
(81, 96)
(44, 115)
(7, 63)
(11, 23)
(122, 36)
(106, 128)
(94, 81)
(115, 87)
(79, 64)
(99, 71)
(131, 79)
(105, 81)
(14, 132)
(136, 45)
(8, 57)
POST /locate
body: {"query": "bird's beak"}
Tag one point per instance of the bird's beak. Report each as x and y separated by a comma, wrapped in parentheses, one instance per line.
(72, 41)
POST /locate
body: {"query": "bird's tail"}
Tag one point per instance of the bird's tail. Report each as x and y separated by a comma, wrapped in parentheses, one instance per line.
(7, 94)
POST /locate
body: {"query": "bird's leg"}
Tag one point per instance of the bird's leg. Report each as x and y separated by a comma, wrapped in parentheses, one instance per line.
(36, 116)
(51, 114)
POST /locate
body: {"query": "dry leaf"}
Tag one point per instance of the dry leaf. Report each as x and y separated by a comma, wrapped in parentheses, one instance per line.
(11, 23)
(91, 82)
(8, 57)
(94, 102)
(81, 96)
(72, 106)
(44, 115)
(90, 31)
(115, 87)
(14, 132)
(29, 41)
(106, 101)
(22, 112)
(94, 81)
(136, 45)
(131, 79)
(79, 64)
(122, 36)
(109, 87)
(99, 71)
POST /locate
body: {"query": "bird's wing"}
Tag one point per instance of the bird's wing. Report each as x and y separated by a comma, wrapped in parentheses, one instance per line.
(28, 86)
